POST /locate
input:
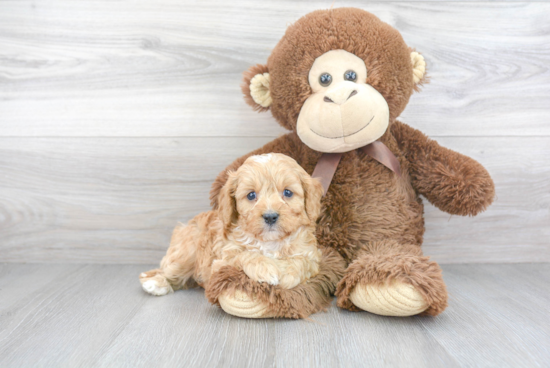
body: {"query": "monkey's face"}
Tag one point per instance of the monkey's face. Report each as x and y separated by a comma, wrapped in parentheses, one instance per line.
(343, 112)
(338, 77)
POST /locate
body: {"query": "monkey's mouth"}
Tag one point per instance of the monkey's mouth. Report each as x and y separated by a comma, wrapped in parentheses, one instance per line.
(346, 135)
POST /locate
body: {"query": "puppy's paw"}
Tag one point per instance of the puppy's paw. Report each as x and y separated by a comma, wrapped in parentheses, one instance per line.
(152, 287)
(262, 272)
(155, 283)
(271, 279)
(149, 274)
(289, 281)
(217, 264)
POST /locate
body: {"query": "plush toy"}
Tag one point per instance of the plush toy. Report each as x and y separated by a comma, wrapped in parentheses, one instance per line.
(338, 80)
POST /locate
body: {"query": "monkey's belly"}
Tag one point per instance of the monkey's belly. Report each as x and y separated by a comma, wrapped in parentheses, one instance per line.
(373, 214)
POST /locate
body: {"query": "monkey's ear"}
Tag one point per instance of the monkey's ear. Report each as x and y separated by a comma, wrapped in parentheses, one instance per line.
(419, 70)
(256, 87)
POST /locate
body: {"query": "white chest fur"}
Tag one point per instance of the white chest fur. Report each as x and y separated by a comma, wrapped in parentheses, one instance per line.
(269, 248)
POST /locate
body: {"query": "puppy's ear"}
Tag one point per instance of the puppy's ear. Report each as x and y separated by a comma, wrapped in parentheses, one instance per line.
(313, 192)
(255, 87)
(227, 206)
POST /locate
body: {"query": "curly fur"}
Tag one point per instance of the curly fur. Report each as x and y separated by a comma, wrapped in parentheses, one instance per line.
(283, 252)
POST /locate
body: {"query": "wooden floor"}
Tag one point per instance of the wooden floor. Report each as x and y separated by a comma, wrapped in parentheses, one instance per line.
(98, 316)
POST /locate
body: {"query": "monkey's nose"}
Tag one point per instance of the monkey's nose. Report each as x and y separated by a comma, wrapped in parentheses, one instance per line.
(339, 95)
(270, 217)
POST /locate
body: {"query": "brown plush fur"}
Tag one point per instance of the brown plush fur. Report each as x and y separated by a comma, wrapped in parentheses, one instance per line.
(386, 261)
(452, 182)
(371, 217)
(386, 57)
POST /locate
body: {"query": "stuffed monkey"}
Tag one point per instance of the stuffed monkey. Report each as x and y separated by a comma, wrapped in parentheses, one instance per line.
(338, 80)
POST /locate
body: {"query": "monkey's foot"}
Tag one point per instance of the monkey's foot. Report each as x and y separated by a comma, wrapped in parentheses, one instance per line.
(397, 299)
(393, 283)
(241, 305)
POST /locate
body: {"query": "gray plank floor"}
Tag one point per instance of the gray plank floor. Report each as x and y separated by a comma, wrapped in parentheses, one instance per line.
(97, 316)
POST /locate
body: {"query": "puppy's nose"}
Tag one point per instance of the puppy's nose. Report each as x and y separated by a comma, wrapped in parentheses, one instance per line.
(270, 217)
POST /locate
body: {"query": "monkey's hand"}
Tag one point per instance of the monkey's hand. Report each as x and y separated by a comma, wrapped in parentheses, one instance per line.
(452, 182)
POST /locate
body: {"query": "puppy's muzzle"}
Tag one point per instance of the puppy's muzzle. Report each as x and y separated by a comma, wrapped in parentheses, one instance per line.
(270, 217)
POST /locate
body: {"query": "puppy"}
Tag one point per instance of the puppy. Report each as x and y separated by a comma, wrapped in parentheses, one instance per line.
(265, 226)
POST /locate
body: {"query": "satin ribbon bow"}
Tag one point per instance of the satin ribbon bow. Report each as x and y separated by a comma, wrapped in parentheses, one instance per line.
(328, 162)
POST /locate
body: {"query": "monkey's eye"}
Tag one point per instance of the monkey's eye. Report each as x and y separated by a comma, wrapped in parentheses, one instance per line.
(251, 196)
(325, 79)
(287, 193)
(350, 75)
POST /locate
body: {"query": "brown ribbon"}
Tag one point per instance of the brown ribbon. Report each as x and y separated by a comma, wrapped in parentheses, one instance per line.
(381, 153)
(325, 168)
(328, 162)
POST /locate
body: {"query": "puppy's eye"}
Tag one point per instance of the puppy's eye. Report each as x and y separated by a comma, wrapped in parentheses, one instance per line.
(287, 193)
(325, 79)
(350, 75)
(251, 196)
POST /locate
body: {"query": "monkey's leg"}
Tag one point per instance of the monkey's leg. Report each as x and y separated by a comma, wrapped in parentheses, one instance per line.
(240, 296)
(391, 279)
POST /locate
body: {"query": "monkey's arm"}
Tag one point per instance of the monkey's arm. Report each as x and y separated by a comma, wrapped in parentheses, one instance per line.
(283, 145)
(452, 182)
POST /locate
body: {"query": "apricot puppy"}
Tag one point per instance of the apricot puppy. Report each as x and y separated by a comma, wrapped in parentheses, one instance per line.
(265, 225)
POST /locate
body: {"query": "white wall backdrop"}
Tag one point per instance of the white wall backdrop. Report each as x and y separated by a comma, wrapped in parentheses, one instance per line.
(115, 117)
